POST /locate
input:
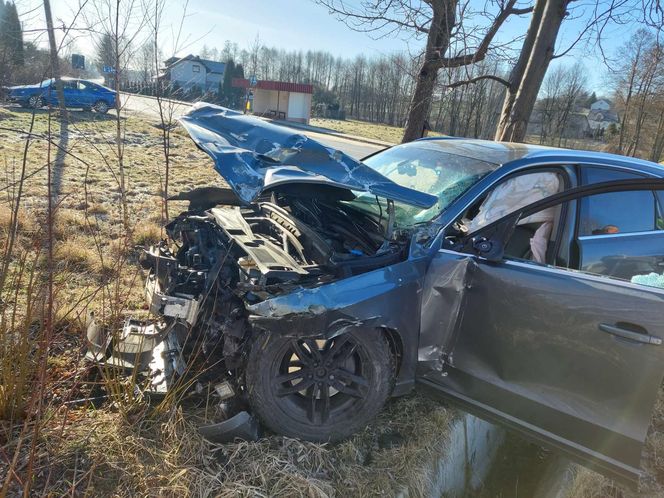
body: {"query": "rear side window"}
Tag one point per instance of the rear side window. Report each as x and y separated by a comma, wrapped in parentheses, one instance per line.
(617, 212)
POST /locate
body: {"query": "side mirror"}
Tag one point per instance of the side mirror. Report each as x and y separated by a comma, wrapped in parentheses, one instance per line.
(491, 250)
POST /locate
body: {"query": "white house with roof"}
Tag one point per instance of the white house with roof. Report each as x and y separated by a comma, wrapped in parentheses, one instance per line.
(600, 105)
(191, 71)
(601, 116)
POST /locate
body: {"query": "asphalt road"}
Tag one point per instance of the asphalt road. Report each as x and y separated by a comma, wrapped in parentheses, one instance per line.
(148, 106)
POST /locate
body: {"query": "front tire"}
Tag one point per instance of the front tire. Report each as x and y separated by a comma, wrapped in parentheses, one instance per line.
(101, 107)
(319, 390)
(36, 102)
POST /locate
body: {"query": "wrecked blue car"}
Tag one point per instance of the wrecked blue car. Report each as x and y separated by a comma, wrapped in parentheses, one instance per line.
(505, 277)
(78, 93)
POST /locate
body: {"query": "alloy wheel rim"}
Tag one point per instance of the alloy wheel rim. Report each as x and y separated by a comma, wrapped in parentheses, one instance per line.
(315, 379)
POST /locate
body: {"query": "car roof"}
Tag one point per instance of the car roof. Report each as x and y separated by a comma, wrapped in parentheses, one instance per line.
(509, 155)
(71, 78)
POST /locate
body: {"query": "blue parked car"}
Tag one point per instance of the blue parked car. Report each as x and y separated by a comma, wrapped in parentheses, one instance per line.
(83, 94)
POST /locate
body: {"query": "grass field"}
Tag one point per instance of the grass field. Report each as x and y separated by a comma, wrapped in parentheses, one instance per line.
(376, 131)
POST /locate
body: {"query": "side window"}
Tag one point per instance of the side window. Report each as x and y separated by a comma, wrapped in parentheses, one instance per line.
(69, 85)
(82, 86)
(616, 212)
(660, 211)
(638, 258)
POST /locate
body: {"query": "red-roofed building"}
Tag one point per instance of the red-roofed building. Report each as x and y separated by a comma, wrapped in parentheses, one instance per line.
(280, 99)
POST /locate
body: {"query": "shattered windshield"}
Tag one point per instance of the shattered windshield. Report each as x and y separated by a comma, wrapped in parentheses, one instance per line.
(425, 167)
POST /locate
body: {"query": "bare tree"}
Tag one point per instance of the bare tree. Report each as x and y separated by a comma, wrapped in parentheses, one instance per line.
(254, 54)
(449, 42)
(55, 62)
(563, 91)
(538, 50)
(121, 22)
(166, 106)
(639, 94)
(528, 73)
(145, 61)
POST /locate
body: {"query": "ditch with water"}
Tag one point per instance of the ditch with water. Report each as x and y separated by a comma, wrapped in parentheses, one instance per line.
(485, 461)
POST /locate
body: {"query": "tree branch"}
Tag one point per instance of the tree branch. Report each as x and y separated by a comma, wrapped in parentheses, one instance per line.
(498, 79)
(483, 48)
(376, 18)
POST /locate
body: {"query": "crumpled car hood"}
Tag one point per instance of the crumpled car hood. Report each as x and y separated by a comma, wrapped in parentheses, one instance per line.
(253, 155)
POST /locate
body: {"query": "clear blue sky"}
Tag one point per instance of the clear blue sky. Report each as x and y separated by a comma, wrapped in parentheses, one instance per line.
(290, 24)
(302, 24)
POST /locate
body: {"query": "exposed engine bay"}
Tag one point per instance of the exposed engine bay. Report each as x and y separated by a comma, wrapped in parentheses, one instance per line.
(217, 261)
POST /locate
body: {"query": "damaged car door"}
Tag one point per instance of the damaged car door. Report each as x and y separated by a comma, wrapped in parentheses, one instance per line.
(571, 358)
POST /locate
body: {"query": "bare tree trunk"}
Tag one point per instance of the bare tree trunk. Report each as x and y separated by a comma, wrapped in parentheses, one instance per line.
(520, 67)
(420, 104)
(528, 74)
(438, 40)
(645, 102)
(118, 119)
(47, 317)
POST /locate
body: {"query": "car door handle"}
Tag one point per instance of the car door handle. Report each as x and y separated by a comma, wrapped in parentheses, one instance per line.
(630, 334)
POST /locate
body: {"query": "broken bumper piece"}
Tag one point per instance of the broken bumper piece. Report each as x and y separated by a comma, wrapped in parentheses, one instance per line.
(240, 426)
(140, 346)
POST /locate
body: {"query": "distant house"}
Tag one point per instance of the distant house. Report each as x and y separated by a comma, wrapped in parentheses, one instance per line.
(582, 122)
(600, 105)
(600, 120)
(193, 72)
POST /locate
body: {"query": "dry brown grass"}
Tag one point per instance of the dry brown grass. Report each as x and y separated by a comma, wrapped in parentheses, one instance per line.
(69, 222)
(97, 209)
(589, 484)
(377, 131)
(26, 221)
(75, 255)
(146, 233)
(108, 453)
